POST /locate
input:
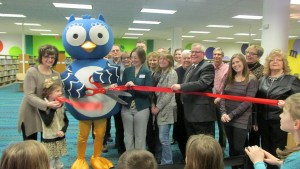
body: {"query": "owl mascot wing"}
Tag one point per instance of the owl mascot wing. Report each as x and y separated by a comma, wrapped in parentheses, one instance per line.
(87, 41)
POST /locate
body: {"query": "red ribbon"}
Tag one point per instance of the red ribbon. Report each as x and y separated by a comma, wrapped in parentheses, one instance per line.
(228, 97)
(88, 106)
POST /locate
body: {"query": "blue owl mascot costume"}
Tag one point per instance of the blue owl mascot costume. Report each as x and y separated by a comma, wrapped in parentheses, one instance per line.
(88, 41)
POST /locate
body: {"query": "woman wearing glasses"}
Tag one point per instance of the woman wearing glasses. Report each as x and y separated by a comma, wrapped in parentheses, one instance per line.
(275, 84)
(29, 121)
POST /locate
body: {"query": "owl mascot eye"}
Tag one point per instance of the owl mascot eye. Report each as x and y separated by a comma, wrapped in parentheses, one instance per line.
(87, 41)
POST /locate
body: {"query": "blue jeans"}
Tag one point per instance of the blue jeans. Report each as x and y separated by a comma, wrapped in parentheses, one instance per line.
(164, 131)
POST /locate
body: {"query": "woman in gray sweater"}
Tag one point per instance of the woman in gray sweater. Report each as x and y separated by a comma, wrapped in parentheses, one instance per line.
(29, 121)
(165, 104)
(236, 115)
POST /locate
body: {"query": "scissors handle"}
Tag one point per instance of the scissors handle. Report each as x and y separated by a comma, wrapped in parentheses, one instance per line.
(91, 91)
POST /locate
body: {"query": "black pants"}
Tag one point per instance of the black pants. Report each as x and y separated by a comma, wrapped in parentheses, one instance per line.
(30, 137)
(272, 137)
(180, 130)
(152, 137)
(194, 128)
(222, 133)
(119, 140)
(236, 140)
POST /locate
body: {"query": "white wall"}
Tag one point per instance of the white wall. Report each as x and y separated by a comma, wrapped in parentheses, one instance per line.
(10, 41)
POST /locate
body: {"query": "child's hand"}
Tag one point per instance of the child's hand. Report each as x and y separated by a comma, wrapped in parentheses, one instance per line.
(60, 133)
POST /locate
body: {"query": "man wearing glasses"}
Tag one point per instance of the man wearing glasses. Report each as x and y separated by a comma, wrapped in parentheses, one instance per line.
(199, 111)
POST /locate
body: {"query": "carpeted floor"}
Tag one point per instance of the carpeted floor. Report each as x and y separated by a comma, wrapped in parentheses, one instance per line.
(10, 99)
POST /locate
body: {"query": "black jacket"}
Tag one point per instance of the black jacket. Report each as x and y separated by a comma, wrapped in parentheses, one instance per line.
(276, 88)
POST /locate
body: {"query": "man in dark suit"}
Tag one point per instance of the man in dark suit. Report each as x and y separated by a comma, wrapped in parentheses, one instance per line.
(199, 111)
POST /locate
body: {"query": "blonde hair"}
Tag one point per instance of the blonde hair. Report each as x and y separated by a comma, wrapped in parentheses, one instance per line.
(203, 152)
(231, 73)
(133, 159)
(276, 53)
(28, 154)
(153, 55)
(49, 87)
(292, 105)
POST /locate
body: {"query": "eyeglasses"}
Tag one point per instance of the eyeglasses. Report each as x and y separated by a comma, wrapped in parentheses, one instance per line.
(196, 52)
(251, 53)
(50, 57)
(275, 60)
(115, 50)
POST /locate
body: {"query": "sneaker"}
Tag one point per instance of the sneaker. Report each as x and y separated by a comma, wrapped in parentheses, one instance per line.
(59, 164)
(105, 149)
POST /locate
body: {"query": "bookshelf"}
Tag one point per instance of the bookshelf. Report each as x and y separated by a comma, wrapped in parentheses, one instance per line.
(9, 67)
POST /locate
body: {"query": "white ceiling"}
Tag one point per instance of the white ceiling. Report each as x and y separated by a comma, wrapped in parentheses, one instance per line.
(119, 14)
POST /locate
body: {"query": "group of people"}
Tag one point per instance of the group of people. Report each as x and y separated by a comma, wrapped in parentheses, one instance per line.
(145, 122)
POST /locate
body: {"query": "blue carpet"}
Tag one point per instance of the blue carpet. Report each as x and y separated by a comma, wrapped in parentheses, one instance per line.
(10, 102)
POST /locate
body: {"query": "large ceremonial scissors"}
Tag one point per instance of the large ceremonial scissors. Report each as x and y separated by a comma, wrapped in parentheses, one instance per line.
(114, 94)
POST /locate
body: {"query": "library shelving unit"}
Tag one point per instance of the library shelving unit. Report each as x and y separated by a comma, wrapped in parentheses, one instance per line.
(9, 67)
(27, 63)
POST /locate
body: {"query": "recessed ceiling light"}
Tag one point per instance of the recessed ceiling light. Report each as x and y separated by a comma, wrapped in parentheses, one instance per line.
(129, 37)
(12, 15)
(295, 2)
(146, 22)
(76, 18)
(209, 40)
(0, 3)
(169, 39)
(203, 32)
(293, 36)
(187, 36)
(28, 24)
(247, 17)
(242, 42)
(161, 11)
(257, 39)
(76, 6)
(219, 26)
(50, 34)
(40, 30)
(224, 38)
(138, 29)
(245, 34)
(3, 32)
(134, 34)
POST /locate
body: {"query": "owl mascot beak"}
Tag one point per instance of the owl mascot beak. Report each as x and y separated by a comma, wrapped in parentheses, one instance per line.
(88, 46)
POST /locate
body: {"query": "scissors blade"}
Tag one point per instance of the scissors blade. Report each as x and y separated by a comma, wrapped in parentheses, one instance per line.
(116, 98)
(118, 93)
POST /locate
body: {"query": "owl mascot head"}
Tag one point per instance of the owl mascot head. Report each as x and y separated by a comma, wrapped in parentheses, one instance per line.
(88, 41)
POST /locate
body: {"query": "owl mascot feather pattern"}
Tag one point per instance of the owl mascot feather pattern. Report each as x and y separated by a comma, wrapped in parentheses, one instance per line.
(87, 41)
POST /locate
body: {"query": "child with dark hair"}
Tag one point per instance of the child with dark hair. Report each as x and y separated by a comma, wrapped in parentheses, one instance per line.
(54, 123)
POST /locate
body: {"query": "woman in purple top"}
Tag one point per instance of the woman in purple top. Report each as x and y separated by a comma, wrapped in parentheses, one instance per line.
(236, 115)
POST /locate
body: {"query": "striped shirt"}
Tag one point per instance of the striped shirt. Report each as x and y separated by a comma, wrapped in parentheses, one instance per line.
(239, 111)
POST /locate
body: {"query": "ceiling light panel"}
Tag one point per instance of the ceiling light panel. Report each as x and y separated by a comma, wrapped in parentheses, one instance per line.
(219, 26)
(209, 40)
(134, 34)
(187, 36)
(40, 30)
(146, 22)
(12, 15)
(224, 38)
(295, 2)
(74, 6)
(138, 29)
(160, 11)
(245, 34)
(247, 17)
(49, 34)
(28, 24)
(203, 32)
(128, 37)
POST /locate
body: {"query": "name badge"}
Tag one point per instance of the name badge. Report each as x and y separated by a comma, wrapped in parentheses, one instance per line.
(142, 76)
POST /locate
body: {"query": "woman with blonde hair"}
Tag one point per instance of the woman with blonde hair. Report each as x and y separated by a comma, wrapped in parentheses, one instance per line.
(289, 122)
(278, 84)
(203, 152)
(29, 154)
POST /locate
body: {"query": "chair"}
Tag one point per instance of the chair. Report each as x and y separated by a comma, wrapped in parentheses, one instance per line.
(20, 80)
